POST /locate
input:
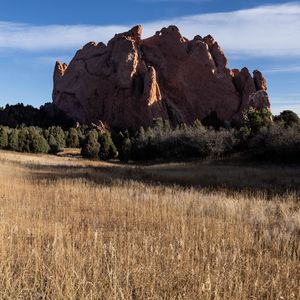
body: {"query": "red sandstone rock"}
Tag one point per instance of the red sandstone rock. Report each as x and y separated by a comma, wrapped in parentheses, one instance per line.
(131, 81)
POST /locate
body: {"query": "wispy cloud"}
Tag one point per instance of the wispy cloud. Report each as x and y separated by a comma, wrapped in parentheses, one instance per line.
(54, 37)
(284, 101)
(262, 31)
(283, 69)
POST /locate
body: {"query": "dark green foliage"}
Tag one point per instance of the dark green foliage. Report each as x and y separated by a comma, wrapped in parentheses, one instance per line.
(212, 120)
(107, 147)
(288, 118)
(103, 140)
(38, 144)
(56, 138)
(13, 140)
(3, 137)
(277, 143)
(243, 136)
(23, 143)
(29, 139)
(72, 140)
(53, 145)
(126, 148)
(91, 147)
(255, 119)
(183, 142)
(161, 124)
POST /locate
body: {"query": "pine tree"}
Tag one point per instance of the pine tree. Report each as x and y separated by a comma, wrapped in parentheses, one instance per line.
(91, 147)
(108, 149)
(59, 136)
(126, 149)
(3, 137)
(72, 140)
(13, 140)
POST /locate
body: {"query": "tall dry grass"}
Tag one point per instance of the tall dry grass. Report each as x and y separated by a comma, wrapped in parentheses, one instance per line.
(78, 237)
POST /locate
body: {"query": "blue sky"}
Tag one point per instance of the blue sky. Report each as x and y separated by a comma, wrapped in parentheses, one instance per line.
(262, 35)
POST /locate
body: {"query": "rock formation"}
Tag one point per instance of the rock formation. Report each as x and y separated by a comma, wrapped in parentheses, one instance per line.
(130, 81)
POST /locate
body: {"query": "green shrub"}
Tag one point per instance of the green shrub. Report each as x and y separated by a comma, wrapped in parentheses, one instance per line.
(288, 118)
(56, 138)
(126, 148)
(23, 142)
(38, 144)
(72, 140)
(13, 140)
(91, 147)
(255, 119)
(277, 143)
(53, 145)
(243, 136)
(3, 137)
(108, 149)
(28, 139)
(183, 142)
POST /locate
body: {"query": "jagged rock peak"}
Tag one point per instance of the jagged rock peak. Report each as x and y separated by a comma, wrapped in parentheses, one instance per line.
(133, 80)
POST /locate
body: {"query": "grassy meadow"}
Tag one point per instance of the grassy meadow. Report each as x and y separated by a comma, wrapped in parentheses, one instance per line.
(78, 229)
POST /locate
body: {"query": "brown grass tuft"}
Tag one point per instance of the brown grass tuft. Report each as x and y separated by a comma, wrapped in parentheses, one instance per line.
(77, 235)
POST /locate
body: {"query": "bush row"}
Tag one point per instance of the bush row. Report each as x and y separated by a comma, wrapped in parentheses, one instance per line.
(37, 140)
(93, 144)
(262, 137)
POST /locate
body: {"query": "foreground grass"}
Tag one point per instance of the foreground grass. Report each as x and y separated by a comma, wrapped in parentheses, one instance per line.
(70, 231)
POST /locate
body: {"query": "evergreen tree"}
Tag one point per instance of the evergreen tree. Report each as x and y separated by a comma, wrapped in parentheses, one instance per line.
(255, 119)
(288, 118)
(3, 137)
(13, 140)
(23, 144)
(126, 149)
(59, 136)
(91, 147)
(107, 147)
(38, 144)
(72, 140)
(53, 145)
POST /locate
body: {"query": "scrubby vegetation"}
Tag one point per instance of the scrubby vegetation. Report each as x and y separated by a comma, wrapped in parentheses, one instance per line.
(37, 140)
(261, 137)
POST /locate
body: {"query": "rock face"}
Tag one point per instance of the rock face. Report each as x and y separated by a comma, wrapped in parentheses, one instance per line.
(130, 81)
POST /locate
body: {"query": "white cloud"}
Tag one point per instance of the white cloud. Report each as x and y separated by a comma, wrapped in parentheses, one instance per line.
(54, 37)
(285, 101)
(283, 69)
(262, 31)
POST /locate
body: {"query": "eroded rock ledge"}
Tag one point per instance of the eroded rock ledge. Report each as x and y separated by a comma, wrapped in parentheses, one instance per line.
(131, 80)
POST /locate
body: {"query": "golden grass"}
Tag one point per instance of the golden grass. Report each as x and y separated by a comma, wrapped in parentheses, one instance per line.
(70, 231)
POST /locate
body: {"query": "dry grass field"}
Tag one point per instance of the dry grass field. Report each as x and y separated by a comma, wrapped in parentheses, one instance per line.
(76, 229)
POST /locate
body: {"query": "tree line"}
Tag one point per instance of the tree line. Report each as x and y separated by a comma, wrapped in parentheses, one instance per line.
(262, 136)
